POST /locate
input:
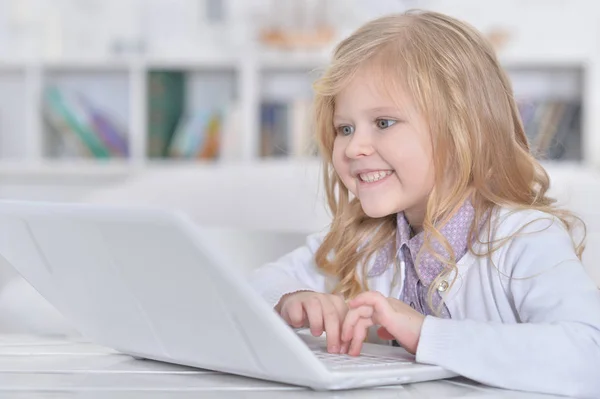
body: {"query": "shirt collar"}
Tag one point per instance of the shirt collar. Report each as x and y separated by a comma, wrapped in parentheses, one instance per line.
(456, 231)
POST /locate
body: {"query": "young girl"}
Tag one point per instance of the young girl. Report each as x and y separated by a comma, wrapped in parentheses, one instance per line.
(443, 237)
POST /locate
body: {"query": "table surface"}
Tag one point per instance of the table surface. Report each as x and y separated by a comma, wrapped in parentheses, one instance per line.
(54, 367)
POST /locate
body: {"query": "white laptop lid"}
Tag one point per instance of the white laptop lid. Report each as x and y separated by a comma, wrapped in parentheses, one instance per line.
(145, 282)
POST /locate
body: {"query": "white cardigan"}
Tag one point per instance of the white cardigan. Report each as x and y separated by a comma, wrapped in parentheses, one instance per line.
(526, 319)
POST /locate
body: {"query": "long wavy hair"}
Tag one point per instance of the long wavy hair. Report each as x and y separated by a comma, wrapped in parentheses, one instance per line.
(480, 149)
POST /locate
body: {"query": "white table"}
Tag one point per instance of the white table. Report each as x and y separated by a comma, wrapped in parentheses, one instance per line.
(45, 367)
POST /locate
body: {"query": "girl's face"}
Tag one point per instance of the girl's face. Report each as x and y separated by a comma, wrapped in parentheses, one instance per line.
(382, 151)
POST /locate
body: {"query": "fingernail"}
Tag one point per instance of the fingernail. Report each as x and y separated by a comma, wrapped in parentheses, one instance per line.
(334, 349)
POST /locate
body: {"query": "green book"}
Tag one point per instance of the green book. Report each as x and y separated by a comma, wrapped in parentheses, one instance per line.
(166, 104)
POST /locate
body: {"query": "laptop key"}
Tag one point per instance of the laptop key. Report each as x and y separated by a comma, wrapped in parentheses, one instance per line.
(336, 361)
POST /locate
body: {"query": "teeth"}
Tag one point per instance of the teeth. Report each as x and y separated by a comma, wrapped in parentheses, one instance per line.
(374, 176)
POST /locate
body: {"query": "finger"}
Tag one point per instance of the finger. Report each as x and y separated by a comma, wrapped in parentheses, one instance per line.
(352, 318)
(344, 347)
(381, 307)
(342, 308)
(332, 325)
(360, 333)
(315, 315)
(384, 315)
(293, 313)
(370, 298)
(340, 304)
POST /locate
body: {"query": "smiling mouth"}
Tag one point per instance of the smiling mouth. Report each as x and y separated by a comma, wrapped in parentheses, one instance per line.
(372, 177)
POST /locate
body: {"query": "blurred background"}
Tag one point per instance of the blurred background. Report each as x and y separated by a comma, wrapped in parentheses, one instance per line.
(204, 106)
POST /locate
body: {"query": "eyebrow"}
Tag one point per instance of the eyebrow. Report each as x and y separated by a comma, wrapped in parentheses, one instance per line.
(376, 110)
(383, 110)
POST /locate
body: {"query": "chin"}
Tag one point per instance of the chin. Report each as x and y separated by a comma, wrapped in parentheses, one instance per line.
(376, 212)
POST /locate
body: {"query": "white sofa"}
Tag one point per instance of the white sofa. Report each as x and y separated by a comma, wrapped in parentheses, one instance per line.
(288, 197)
(285, 201)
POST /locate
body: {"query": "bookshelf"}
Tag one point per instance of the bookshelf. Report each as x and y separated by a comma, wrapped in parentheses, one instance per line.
(285, 109)
(100, 101)
(238, 86)
(182, 102)
(13, 113)
(551, 106)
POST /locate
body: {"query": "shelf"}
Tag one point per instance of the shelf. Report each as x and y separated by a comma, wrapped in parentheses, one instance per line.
(528, 61)
(123, 64)
(11, 66)
(86, 65)
(97, 169)
(293, 61)
(13, 115)
(233, 85)
(308, 61)
(268, 60)
(563, 84)
(194, 63)
(286, 86)
(50, 168)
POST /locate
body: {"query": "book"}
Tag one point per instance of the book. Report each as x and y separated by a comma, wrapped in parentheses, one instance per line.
(165, 105)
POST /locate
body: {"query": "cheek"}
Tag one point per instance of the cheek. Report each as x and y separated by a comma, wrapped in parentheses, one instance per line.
(338, 156)
(429, 174)
(413, 161)
(341, 165)
(426, 166)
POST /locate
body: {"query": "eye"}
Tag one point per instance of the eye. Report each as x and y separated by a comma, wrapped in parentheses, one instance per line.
(384, 123)
(345, 130)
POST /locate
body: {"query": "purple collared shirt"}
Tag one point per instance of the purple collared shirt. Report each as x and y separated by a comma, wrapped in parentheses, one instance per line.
(418, 278)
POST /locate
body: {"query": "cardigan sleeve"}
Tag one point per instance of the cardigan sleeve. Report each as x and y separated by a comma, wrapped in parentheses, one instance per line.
(555, 345)
(293, 272)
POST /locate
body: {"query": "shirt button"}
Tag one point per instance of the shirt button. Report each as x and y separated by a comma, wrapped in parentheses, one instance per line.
(443, 286)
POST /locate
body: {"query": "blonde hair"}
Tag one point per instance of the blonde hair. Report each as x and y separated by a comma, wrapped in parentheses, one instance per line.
(480, 149)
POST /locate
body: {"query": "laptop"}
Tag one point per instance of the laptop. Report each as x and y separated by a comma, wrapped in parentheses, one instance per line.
(148, 283)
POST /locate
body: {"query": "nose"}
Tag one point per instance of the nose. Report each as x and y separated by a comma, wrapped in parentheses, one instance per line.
(360, 144)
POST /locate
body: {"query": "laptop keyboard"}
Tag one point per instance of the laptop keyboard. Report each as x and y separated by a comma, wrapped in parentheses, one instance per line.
(338, 361)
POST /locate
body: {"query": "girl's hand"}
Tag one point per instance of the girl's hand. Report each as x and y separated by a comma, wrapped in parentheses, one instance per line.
(320, 312)
(397, 320)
